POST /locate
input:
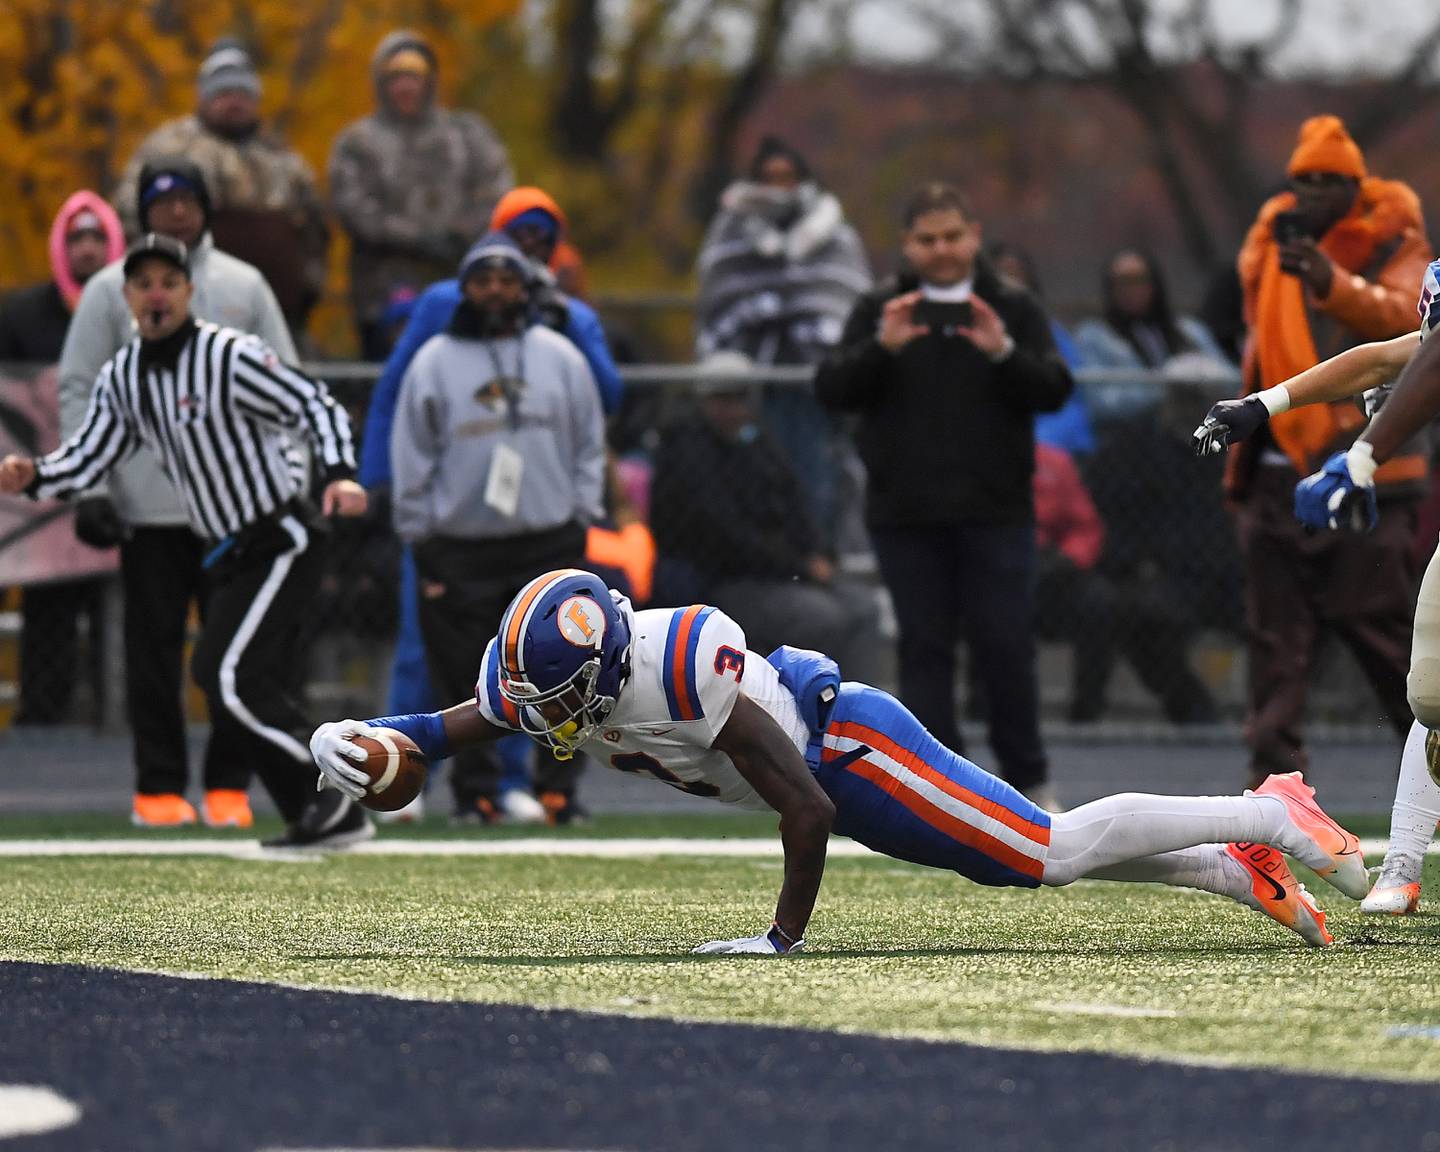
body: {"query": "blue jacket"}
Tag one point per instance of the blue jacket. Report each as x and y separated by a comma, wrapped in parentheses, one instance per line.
(432, 314)
(1069, 428)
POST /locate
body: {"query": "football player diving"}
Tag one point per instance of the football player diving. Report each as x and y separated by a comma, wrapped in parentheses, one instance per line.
(674, 694)
(1342, 496)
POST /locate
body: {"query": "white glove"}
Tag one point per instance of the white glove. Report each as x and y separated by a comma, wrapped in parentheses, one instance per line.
(334, 755)
(762, 945)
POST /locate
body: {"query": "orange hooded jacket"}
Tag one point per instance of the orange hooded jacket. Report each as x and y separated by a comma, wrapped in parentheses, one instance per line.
(1380, 251)
(566, 261)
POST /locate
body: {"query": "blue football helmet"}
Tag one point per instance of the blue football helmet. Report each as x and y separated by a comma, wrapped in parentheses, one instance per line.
(563, 651)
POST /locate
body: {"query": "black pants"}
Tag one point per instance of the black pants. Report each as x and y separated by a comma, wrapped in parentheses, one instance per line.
(161, 576)
(1143, 620)
(480, 578)
(258, 596)
(49, 649)
(976, 581)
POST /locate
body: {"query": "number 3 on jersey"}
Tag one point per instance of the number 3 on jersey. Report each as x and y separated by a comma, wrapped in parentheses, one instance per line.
(728, 659)
(641, 762)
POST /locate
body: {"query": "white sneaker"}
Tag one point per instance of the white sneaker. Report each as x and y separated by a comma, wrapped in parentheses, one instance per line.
(1396, 891)
(1043, 796)
(412, 813)
(519, 807)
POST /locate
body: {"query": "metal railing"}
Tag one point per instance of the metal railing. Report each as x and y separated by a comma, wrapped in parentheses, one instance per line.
(349, 667)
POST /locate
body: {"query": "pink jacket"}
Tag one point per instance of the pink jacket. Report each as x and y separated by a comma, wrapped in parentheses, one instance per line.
(114, 234)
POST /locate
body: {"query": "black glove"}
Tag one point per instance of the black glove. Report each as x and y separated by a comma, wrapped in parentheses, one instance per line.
(1229, 422)
(98, 524)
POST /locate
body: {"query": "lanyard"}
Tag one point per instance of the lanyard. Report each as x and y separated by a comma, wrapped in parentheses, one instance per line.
(510, 385)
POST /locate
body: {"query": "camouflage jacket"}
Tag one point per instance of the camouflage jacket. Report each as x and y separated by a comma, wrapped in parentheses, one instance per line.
(413, 196)
(260, 191)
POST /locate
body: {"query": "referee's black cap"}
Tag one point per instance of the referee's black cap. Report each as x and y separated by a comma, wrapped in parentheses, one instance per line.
(158, 246)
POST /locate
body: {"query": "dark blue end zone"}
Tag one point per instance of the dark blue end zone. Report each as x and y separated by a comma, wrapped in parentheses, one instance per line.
(163, 1063)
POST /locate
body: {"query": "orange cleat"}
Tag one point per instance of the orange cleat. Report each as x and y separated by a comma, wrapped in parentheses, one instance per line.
(161, 810)
(1270, 887)
(1347, 864)
(227, 808)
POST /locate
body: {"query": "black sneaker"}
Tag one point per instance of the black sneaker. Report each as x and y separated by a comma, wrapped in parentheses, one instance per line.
(332, 820)
(562, 808)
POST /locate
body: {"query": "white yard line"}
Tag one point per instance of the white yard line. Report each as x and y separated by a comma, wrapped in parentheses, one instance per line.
(618, 848)
(759, 847)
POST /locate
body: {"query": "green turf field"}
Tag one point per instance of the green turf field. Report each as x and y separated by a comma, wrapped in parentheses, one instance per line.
(894, 949)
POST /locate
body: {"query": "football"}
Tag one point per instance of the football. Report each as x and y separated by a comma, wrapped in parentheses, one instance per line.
(396, 767)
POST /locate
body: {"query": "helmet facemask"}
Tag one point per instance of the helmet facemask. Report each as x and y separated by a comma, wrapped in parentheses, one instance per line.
(567, 715)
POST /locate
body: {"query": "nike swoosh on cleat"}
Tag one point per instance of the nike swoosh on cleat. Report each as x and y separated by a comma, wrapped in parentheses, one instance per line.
(1275, 885)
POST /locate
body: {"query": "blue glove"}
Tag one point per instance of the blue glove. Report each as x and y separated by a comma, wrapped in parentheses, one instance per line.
(1332, 498)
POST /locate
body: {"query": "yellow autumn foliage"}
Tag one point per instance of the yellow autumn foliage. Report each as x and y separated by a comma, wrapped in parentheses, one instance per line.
(86, 80)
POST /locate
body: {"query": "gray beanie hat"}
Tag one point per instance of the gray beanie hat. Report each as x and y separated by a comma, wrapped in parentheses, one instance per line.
(226, 68)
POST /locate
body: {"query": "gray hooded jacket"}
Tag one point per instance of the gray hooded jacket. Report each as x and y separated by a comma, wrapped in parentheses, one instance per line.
(452, 416)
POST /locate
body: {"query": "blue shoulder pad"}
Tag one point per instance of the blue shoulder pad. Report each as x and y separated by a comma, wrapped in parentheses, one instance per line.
(812, 678)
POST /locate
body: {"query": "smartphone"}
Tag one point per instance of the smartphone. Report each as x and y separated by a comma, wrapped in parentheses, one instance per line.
(1289, 226)
(944, 317)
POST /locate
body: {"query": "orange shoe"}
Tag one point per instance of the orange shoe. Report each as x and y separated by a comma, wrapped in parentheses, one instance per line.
(161, 810)
(1347, 865)
(1270, 887)
(227, 808)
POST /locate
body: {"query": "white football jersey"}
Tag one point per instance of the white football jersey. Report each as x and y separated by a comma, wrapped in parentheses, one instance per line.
(687, 667)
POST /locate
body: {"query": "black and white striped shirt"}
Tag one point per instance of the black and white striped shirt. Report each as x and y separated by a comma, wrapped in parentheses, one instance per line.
(218, 422)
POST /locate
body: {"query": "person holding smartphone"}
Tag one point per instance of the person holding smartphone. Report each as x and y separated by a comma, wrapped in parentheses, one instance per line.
(1333, 261)
(947, 366)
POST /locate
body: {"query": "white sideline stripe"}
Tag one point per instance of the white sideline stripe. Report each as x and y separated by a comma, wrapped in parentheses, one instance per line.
(1070, 1008)
(758, 847)
(29, 1109)
(616, 849)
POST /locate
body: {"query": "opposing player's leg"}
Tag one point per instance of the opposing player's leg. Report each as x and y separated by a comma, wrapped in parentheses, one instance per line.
(1416, 810)
(1412, 823)
(1254, 875)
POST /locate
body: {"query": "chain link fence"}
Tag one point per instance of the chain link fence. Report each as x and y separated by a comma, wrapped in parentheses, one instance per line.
(1142, 642)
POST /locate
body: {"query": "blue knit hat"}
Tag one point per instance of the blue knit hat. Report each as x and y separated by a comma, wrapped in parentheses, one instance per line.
(496, 249)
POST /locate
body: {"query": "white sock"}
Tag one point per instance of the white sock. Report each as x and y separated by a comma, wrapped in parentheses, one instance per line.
(1414, 814)
(1122, 828)
(1199, 867)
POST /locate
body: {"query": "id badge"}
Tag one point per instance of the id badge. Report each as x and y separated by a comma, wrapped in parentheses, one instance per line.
(502, 487)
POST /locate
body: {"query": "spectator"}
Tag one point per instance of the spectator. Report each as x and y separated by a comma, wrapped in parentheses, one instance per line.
(779, 269)
(1126, 605)
(732, 530)
(217, 406)
(947, 438)
(1070, 427)
(1333, 261)
(85, 236)
(536, 223)
(537, 220)
(413, 184)
(498, 456)
(264, 206)
(1139, 328)
(140, 509)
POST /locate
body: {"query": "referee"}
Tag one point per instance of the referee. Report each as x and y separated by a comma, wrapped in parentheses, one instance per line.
(214, 404)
